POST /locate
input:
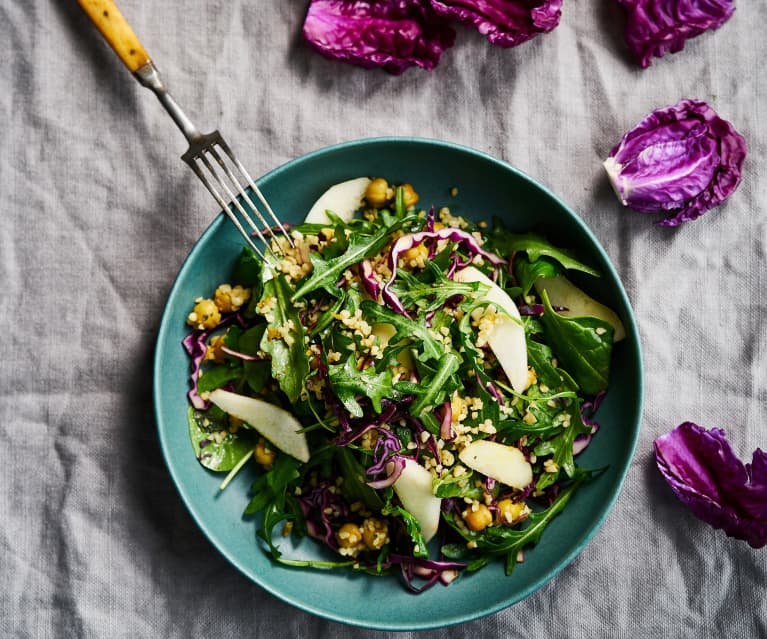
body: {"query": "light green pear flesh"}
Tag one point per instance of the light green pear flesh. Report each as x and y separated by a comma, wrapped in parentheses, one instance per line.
(507, 337)
(503, 463)
(343, 199)
(414, 489)
(270, 421)
(562, 292)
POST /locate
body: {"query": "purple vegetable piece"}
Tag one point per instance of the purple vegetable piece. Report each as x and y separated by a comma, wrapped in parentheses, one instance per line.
(681, 160)
(410, 240)
(393, 34)
(706, 476)
(657, 27)
(506, 23)
(369, 279)
(194, 344)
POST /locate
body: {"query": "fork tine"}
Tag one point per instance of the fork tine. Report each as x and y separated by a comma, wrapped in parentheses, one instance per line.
(211, 149)
(224, 205)
(234, 202)
(251, 183)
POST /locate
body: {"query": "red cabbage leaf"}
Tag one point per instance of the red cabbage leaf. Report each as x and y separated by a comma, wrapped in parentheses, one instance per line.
(657, 27)
(681, 160)
(393, 34)
(506, 23)
(706, 476)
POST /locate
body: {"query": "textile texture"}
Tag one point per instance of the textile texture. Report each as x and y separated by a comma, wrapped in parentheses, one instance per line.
(98, 213)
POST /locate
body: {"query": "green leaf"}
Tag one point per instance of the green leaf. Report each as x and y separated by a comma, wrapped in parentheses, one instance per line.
(527, 271)
(503, 540)
(290, 365)
(429, 295)
(354, 487)
(247, 271)
(411, 525)
(415, 332)
(220, 457)
(348, 383)
(217, 376)
(325, 273)
(433, 390)
(536, 246)
(583, 345)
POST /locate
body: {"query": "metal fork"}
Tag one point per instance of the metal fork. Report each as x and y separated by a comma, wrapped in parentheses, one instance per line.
(208, 154)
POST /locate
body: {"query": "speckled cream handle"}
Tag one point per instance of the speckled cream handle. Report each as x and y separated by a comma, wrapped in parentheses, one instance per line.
(117, 32)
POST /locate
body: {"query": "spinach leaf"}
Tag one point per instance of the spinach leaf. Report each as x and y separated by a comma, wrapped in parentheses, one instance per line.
(527, 271)
(290, 365)
(247, 270)
(213, 455)
(582, 344)
(218, 376)
(354, 487)
(536, 246)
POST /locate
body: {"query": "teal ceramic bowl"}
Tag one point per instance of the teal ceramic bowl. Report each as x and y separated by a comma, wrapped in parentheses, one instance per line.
(486, 187)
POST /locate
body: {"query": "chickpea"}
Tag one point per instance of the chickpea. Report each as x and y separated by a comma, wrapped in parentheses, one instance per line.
(415, 255)
(479, 518)
(349, 535)
(263, 454)
(379, 193)
(409, 195)
(204, 315)
(375, 533)
(214, 353)
(229, 299)
(511, 512)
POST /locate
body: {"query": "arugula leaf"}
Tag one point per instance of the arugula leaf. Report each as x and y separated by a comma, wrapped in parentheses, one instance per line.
(348, 383)
(325, 273)
(411, 525)
(503, 540)
(452, 486)
(536, 246)
(290, 365)
(414, 331)
(433, 390)
(429, 295)
(213, 455)
(582, 344)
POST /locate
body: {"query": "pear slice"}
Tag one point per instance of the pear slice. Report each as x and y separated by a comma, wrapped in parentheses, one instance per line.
(562, 292)
(343, 199)
(503, 463)
(272, 422)
(507, 337)
(414, 489)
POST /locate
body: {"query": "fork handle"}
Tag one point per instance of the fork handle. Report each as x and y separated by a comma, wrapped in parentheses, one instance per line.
(120, 36)
(117, 32)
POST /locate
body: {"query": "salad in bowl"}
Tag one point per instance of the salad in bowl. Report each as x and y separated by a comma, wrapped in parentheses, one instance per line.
(416, 393)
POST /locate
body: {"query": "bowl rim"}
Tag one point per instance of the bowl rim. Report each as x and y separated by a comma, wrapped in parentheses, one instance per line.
(604, 508)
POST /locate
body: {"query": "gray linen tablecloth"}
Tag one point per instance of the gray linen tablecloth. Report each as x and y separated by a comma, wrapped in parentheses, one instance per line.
(98, 214)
